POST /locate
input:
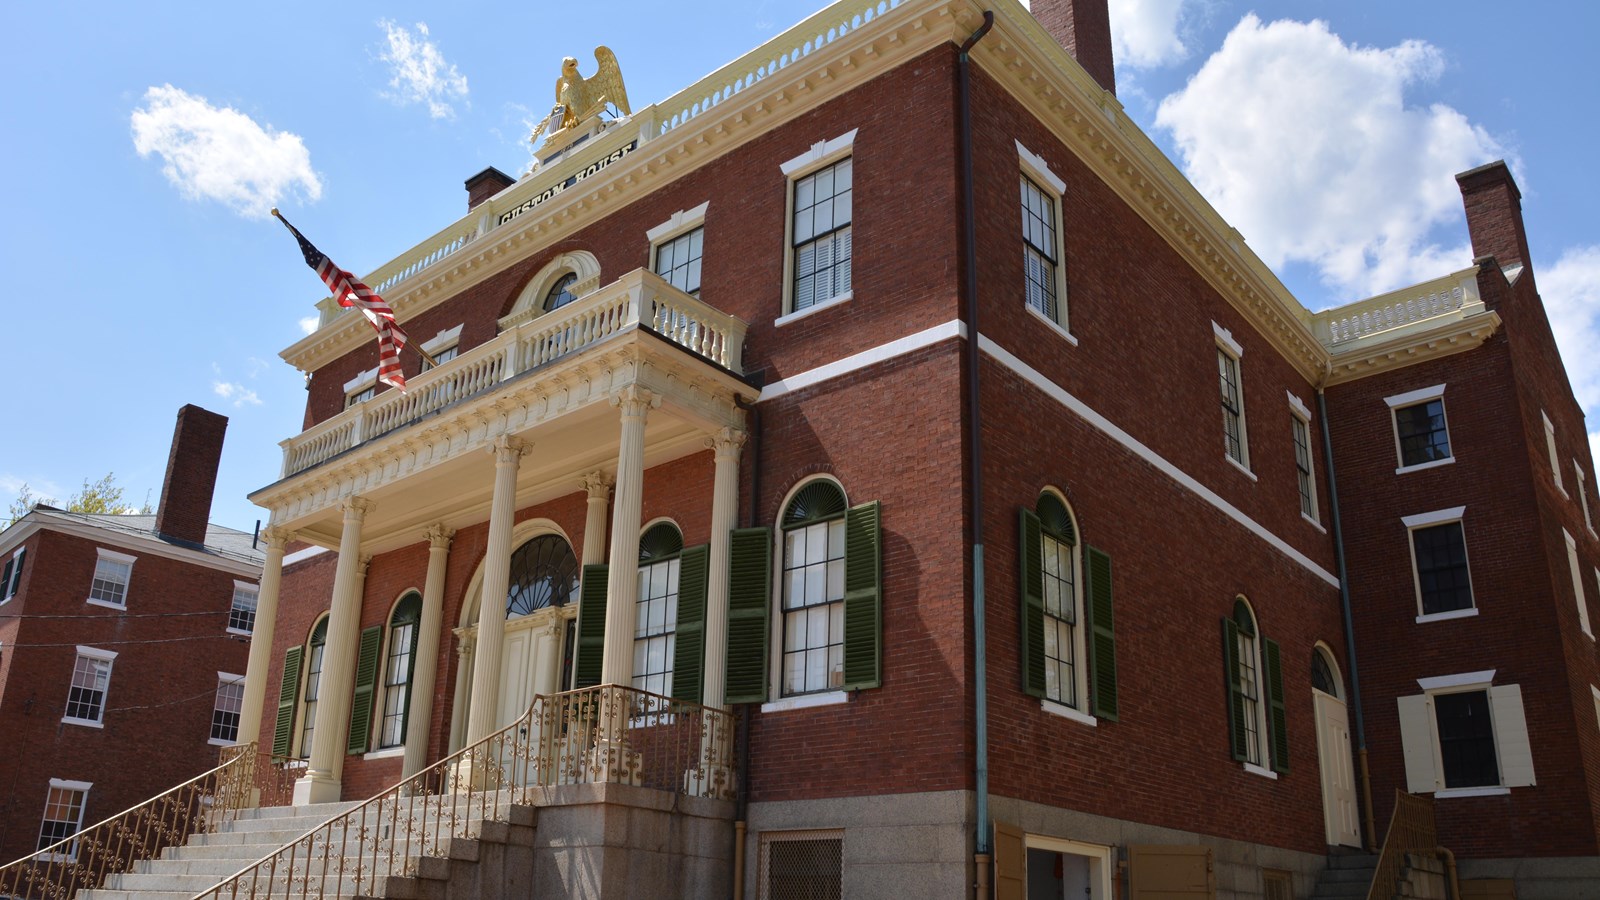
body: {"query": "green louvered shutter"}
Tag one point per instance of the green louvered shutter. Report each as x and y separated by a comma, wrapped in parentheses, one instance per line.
(749, 595)
(366, 688)
(16, 575)
(1230, 665)
(591, 627)
(288, 697)
(1102, 635)
(1032, 612)
(1280, 728)
(689, 639)
(863, 598)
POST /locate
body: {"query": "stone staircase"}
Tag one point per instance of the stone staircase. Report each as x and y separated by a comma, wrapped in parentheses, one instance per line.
(1347, 877)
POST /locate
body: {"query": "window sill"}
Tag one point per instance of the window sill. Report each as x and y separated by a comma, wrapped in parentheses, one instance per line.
(87, 723)
(813, 308)
(1067, 712)
(238, 631)
(1433, 464)
(1254, 769)
(1059, 328)
(1446, 616)
(1240, 466)
(120, 607)
(57, 857)
(219, 742)
(1314, 523)
(805, 701)
(385, 753)
(1447, 793)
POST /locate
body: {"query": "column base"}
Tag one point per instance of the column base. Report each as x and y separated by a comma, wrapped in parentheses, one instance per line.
(316, 787)
(612, 762)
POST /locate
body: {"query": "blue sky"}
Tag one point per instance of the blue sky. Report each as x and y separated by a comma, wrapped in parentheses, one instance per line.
(146, 142)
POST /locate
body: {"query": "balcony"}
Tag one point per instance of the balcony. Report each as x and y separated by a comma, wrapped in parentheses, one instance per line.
(1433, 318)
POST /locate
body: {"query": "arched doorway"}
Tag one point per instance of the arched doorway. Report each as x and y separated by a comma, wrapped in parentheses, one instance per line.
(1333, 750)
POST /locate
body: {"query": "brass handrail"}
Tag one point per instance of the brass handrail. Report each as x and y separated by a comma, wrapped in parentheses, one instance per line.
(604, 734)
(1412, 829)
(83, 860)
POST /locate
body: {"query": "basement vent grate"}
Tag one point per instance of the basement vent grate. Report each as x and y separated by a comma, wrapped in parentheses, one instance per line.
(802, 865)
(1276, 885)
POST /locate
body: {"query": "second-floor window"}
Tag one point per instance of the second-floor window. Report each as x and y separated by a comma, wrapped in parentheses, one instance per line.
(242, 614)
(678, 260)
(1233, 437)
(91, 678)
(112, 572)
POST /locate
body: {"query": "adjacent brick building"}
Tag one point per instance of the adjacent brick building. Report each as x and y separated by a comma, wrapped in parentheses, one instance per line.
(123, 641)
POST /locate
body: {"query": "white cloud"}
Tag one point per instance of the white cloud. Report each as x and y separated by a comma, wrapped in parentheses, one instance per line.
(1307, 146)
(238, 393)
(309, 323)
(218, 153)
(1144, 33)
(1571, 292)
(419, 72)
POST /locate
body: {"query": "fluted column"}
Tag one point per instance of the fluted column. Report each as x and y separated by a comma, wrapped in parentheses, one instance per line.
(726, 446)
(355, 654)
(255, 673)
(425, 665)
(483, 718)
(622, 583)
(594, 524)
(320, 784)
(458, 712)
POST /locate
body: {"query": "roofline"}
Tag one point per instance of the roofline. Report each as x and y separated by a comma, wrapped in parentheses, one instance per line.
(33, 523)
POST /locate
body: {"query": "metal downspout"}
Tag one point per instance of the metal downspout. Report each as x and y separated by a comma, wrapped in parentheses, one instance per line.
(981, 843)
(742, 744)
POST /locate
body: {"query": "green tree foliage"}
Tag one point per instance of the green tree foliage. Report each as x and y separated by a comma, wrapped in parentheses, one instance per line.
(102, 497)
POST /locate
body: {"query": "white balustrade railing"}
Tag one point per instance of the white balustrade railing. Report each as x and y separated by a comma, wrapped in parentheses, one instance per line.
(427, 253)
(1430, 300)
(640, 299)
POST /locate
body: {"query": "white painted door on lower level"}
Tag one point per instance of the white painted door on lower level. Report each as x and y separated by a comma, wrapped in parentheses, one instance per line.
(1338, 775)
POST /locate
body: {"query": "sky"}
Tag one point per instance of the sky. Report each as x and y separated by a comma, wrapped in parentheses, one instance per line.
(147, 143)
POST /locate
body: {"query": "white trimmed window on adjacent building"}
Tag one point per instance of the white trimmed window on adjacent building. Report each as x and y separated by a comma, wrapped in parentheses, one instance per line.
(1044, 272)
(11, 575)
(64, 806)
(1439, 564)
(242, 612)
(91, 679)
(226, 710)
(1235, 440)
(1421, 432)
(1465, 736)
(820, 226)
(112, 572)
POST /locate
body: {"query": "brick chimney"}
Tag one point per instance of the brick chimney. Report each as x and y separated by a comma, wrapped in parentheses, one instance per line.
(1494, 213)
(486, 184)
(191, 475)
(1084, 28)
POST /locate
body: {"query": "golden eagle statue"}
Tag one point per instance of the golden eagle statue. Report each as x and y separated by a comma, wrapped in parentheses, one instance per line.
(579, 99)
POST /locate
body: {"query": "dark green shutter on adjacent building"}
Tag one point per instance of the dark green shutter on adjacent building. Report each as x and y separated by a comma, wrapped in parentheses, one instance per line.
(1230, 665)
(863, 597)
(749, 595)
(688, 651)
(1032, 612)
(288, 696)
(1280, 728)
(591, 627)
(1102, 638)
(365, 691)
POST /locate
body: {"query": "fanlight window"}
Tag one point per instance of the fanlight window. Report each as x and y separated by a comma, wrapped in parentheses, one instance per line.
(543, 573)
(561, 292)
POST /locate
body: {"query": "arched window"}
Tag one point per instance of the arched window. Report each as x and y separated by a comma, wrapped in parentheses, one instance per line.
(314, 648)
(1255, 692)
(813, 589)
(401, 661)
(1069, 651)
(560, 293)
(543, 573)
(1249, 681)
(656, 618)
(1063, 603)
(1322, 672)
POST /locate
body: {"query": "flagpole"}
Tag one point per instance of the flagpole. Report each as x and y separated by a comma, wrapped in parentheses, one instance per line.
(432, 363)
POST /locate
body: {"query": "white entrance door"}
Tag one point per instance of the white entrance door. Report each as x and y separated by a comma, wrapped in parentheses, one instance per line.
(517, 667)
(1338, 776)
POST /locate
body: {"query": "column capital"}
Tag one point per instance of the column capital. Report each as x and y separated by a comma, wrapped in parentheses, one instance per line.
(727, 442)
(361, 566)
(440, 536)
(277, 538)
(465, 643)
(508, 450)
(356, 508)
(635, 400)
(597, 484)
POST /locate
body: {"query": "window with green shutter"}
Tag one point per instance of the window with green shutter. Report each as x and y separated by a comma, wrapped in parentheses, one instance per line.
(401, 661)
(863, 598)
(591, 627)
(365, 690)
(1257, 731)
(688, 665)
(1067, 641)
(1273, 663)
(288, 698)
(749, 595)
(655, 633)
(1102, 635)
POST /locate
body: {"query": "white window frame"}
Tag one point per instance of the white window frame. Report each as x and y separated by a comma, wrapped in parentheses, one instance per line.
(1035, 169)
(1226, 345)
(1101, 865)
(1583, 494)
(361, 388)
(1405, 401)
(783, 701)
(669, 623)
(226, 679)
(95, 653)
(62, 784)
(1419, 728)
(443, 342)
(13, 571)
(1577, 583)
(1302, 415)
(1555, 458)
(254, 591)
(387, 686)
(676, 226)
(1080, 651)
(1596, 692)
(1427, 520)
(111, 556)
(1258, 662)
(821, 155)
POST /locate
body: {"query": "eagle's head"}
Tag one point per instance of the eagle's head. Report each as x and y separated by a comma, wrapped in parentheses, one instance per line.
(569, 66)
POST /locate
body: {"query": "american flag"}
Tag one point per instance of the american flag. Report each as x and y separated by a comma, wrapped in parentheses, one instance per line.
(348, 291)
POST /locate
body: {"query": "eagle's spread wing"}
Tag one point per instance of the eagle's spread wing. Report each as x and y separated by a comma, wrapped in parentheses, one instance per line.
(608, 80)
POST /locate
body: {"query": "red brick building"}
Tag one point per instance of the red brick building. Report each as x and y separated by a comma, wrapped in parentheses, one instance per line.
(891, 386)
(123, 642)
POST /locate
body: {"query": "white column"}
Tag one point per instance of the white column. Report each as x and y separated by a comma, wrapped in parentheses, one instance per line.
(622, 584)
(458, 711)
(355, 654)
(482, 718)
(255, 674)
(726, 445)
(594, 524)
(425, 666)
(320, 784)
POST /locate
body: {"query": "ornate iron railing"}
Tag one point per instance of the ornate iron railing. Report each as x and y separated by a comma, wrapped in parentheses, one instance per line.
(606, 734)
(1412, 829)
(84, 860)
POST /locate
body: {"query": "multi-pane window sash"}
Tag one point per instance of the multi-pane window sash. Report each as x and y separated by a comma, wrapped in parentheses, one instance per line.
(1441, 553)
(225, 714)
(63, 816)
(655, 615)
(442, 356)
(813, 607)
(86, 699)
(366, 393)
(1060, 622)
(1250, 697)
(242, 615)
(822, 217)
(1302, 466)
(11, 576)
(1466, 739)
(397, 683)
(1039, 248)
(560, 293)
(110, 583)
(678, 261)
(1424, 438)
(1232, 408)
(313, 683)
